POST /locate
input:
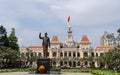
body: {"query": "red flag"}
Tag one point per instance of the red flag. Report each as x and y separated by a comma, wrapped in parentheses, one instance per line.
(68, 18)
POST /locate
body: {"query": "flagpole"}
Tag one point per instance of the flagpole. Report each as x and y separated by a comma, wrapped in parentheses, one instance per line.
(68, 21)
(69, 24)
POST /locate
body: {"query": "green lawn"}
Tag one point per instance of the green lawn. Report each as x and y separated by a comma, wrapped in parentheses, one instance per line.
(17, 70)
(93, 71)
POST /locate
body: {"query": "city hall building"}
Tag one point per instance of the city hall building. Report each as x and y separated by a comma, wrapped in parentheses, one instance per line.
(69, 53)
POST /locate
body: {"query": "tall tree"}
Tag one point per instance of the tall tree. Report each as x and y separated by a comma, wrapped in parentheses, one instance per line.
(13, 40)
(111, 58)
(118, 30)
(3, 37)
(9, 49)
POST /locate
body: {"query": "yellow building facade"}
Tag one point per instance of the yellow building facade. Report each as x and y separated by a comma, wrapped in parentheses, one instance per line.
(68, 53)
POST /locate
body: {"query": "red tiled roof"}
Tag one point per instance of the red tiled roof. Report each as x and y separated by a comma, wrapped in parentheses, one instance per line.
(107, 47)
(55, 39)
(85, 39)
(35, 47)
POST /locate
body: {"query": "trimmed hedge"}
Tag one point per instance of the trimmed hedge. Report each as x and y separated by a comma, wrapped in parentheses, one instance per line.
(17, 70)
(78, 70)
(55, 69)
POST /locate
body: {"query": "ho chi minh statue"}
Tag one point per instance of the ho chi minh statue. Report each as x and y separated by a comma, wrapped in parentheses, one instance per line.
(45, 44)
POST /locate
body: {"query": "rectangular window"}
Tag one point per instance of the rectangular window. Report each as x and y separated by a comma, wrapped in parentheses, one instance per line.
(54, 54)
(78, 54)
(65, 54)
(69, 54)
(74, 54)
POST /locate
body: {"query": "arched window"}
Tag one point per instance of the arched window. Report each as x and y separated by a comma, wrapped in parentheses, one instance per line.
(74, 54)
(78, 54)
(78, 64)
(54, 63)
(70, 63)
(86, 63)
(85, 54)
(69, 54)
(61, 63)
(96, 54)
(31, 54)
(74, 64)
(54, 54)
(93, 64)
(39, 54)
(65, 54)
(61, 54)
(101, 54)
(65, 62)
(92, 54)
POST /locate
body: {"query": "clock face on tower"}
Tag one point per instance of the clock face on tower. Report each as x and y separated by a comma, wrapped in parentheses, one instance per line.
(109, 37)
(69, 44)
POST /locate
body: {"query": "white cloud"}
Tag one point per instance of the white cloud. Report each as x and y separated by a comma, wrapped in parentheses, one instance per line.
(29, 17)
(89, 12)
(55, 7)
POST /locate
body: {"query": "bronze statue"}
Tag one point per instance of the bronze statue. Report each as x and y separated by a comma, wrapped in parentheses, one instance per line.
(45, 44)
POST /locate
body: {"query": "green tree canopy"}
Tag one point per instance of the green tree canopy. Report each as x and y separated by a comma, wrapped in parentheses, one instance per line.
(118, 30)
(13, 40)
(3, 37)
(111, 58)
(8, 57)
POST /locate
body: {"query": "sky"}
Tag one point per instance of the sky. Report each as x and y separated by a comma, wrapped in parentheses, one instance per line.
(87, 17)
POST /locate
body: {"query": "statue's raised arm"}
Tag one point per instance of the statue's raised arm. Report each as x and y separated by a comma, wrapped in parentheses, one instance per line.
(40, 36)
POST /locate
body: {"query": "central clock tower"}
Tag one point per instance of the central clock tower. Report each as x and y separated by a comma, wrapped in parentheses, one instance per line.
(69, 41)
(69, 37)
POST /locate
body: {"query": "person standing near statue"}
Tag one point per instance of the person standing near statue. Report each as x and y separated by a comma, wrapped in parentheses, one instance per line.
(45, 44)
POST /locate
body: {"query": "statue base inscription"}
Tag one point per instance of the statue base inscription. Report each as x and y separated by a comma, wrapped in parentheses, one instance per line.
(43, 66)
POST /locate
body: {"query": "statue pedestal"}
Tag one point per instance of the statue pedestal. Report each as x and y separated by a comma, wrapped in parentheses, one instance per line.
(43, 66)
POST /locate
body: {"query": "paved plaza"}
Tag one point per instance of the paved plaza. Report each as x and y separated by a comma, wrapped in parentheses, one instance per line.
(26, 73)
